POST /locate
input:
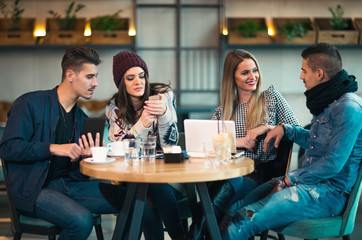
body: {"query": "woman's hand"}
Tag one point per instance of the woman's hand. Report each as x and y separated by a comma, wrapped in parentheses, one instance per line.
(245, 142)
(255, 132)
(147, 118)
(156, 107)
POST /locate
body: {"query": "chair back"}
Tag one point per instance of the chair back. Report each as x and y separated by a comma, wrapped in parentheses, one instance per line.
(350, 212)
(181, 141)
(280, 166)
(14, 215)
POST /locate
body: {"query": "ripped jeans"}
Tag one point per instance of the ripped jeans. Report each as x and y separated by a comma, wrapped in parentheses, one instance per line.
(258, 211)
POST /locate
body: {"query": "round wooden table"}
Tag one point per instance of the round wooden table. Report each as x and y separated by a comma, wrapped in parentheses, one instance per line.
(138, 177)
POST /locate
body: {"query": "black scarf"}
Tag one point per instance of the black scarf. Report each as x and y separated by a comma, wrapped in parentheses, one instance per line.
(320, 96)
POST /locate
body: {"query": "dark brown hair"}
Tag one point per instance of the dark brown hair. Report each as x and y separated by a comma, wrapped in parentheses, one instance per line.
(76, 56)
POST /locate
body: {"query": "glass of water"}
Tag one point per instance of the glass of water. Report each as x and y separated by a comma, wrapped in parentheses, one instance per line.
(148, 148)
(132, 151)
(211, 157)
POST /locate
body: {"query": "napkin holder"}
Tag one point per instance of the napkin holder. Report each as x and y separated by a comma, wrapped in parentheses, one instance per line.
(174, 157)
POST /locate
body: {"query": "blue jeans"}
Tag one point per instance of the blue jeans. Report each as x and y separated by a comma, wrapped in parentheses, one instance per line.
(164, 209)
(70, 204)
(262, 211)
(242, 186)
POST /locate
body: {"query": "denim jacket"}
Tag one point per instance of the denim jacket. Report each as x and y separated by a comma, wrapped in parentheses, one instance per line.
(333, 145)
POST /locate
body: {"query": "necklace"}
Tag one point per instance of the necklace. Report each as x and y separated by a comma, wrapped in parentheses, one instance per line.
(62, 110)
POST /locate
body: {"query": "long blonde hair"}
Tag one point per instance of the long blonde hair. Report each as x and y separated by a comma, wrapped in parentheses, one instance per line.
(229, 94)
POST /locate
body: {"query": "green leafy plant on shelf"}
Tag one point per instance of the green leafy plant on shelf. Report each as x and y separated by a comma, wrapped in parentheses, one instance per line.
(249, 28)
(338, 23)
(12, 16)
(67, 22)
(295, 30)
(109, 23)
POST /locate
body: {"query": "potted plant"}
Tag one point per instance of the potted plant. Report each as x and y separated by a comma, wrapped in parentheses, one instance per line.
(249, 28)
(338, 23)
(248, 31)
(109, 29)
(294, 31)
(67, 29)
(336, 30)
(13, 28)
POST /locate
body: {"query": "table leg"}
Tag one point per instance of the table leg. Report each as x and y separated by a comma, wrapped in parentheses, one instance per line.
(208, 211)
(138, 211)
(191, 195)
(125, 211)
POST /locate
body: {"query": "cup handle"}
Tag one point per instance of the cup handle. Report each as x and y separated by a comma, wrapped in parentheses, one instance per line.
(109, 146)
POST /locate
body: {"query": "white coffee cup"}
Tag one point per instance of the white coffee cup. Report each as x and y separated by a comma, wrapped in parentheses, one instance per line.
(99, 154)
(116, 148)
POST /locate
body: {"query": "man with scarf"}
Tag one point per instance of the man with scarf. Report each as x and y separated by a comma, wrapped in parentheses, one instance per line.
(333, 153)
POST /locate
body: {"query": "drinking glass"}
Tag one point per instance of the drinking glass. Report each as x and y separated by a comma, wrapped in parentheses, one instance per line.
(222, 146)
(211, 157)
(148, 148)
(132, 151)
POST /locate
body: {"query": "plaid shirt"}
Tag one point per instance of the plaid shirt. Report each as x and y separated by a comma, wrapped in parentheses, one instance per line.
(279, 112)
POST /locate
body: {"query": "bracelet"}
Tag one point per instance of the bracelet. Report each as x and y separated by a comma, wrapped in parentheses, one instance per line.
(282, 183)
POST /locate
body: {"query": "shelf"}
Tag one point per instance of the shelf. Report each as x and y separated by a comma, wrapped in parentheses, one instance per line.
(284, 46)
(55, 47)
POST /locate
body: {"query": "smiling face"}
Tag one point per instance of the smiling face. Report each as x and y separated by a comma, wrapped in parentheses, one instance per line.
(84, 82)
(135, 82)
(246, 77)
(310, 78)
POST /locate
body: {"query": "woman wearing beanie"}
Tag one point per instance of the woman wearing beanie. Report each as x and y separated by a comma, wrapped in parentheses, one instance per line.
(130, 112)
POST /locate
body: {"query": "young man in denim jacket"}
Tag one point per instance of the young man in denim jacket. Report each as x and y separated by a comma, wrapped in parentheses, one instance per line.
(333, 153)
(41, 148)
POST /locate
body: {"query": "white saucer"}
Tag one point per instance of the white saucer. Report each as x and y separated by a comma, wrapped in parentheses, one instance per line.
(91, 161)
(111, 154)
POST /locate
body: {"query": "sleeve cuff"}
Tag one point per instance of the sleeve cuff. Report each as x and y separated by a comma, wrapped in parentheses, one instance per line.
(165, 118)
(139, 130)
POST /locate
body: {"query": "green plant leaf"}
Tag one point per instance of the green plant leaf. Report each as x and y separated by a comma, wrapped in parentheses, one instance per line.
(337, 23)
(12, 15)
(249, 28)
(109, 23)
(294, 30)
(67, 23)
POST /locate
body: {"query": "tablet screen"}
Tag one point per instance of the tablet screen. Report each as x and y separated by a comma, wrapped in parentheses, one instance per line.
(94, 125)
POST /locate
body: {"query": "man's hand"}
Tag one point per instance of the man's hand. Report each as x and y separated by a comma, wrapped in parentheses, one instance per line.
(71, 150)
(86, 144)
(277, 134)
(285, 181)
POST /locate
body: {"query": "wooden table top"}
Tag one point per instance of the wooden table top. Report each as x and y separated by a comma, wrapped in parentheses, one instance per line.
(192, 170)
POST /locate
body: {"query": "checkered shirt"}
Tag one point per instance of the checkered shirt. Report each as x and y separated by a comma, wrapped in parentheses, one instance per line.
(279, 112)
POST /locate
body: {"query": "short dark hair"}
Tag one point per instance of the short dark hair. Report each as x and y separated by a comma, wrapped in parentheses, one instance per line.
(325, 56)
(76, 56)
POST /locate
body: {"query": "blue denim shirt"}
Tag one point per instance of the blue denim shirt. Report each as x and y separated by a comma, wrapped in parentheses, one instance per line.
(333, 145)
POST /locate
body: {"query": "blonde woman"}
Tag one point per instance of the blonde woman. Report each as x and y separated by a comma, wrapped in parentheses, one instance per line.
(255, 113)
